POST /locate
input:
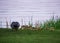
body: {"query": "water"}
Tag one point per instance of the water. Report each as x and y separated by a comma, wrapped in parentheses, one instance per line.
(16, 10)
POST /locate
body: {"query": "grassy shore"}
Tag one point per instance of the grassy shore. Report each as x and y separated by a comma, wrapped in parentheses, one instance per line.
(29, 36)
(33, 36)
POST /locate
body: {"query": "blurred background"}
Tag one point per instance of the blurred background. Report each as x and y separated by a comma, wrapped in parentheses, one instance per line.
(25, 11)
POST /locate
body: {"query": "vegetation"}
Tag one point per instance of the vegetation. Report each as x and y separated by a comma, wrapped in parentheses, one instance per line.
(57, 24)
(49, 32)
(29, 36)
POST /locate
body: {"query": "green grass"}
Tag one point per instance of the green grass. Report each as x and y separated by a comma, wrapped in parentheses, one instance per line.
(52, 23)
(29, 36)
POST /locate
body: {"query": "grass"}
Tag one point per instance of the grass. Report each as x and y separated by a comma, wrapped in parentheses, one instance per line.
(29, 36)
(33, 36)
(52, 23)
